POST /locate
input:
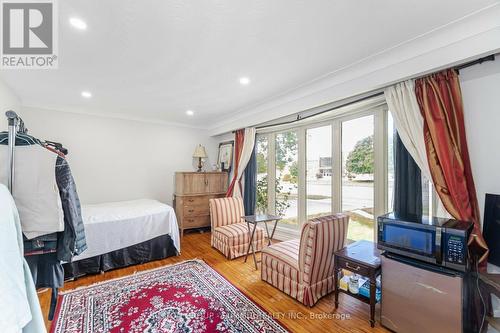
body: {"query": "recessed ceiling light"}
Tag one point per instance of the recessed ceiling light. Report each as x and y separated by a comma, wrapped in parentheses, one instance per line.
(86, 94)
(190, 112)
(244, 80)
(78, 23)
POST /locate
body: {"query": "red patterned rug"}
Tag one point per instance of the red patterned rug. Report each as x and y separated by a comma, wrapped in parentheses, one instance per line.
(185, 297)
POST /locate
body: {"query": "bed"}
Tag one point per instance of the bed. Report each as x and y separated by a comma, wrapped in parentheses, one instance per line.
(125, 233)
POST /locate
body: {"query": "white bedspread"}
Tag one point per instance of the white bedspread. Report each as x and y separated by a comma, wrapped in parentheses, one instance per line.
(116, 225)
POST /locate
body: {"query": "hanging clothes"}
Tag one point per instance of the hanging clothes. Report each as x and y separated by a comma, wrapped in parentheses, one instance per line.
(47, 272)
(45, 253)
(21, 310)
(35, 189)
(37, 196)
(71, 241)
(41, 245)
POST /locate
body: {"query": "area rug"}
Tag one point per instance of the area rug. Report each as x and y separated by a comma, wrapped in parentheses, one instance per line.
(185, 297)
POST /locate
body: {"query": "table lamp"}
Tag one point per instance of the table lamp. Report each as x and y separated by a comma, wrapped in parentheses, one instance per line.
(200, 153)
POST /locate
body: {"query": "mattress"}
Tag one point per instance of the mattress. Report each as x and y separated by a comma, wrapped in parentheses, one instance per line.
(116, 225)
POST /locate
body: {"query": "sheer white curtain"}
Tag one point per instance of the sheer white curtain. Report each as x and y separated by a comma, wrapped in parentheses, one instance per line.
(409, 123)
(246, 154)
(403, 105)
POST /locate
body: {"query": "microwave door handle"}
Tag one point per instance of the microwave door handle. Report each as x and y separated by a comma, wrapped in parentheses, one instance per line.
(437, 246)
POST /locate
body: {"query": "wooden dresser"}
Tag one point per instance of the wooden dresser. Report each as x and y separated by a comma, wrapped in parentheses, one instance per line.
(192, 192)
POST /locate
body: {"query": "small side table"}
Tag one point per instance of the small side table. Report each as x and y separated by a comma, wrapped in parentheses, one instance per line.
(256, 219)
(363, 258)
(489, 284)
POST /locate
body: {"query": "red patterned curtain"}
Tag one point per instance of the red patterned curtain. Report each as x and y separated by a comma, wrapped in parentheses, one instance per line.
(238, 147)
(440, 101)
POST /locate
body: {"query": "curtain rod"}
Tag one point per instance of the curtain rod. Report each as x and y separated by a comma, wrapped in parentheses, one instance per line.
(479, 61)
(299, 117)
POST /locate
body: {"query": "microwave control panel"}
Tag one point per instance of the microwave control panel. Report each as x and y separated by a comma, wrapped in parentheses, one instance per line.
(455, 249)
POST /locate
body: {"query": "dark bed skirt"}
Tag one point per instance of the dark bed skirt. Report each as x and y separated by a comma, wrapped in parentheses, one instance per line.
(155, 249)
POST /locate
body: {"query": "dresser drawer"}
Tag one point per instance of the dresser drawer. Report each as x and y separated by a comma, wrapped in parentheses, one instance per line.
(195, 210)
(196, 222)
(195, 200)
(353, 267)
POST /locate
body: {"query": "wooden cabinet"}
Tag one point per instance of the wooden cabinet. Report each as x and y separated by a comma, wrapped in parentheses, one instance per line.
(192, 192)
(216, 183)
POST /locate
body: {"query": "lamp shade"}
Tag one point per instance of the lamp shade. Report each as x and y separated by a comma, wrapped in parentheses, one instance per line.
(200, 152)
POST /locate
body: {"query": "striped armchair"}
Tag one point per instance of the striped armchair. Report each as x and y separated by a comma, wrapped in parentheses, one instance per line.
(230, 233)
(304, 268)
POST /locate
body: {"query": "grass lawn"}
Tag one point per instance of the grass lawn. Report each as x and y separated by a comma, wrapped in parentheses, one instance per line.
(360, 227)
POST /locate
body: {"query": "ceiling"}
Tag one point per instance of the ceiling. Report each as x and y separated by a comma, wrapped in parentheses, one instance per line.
(155, 59)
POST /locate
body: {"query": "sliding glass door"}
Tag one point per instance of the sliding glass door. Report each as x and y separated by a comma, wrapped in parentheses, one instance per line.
(358, 175)
(319, 171)
(287, 178)
(262, 146)
(334, 165)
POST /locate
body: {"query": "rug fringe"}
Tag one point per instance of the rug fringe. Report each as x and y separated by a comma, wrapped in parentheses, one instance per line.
(198, 260)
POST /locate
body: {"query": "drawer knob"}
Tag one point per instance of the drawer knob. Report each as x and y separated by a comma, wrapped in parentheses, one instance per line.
(191, 210)
(352, 267)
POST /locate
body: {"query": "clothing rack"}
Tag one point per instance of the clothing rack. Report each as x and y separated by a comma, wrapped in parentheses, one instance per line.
(13, 121)
(16, 125)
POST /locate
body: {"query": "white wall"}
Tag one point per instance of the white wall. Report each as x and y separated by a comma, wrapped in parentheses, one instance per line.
(481, 96)
(8, 101)
(113, 159)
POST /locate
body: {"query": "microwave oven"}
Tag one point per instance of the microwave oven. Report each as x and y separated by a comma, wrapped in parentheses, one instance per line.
(434, 240)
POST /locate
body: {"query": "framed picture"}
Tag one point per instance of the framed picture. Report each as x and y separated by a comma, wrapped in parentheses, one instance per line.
(225, 158)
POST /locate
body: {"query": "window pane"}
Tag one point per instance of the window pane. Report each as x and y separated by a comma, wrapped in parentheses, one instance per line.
(287, 175)
(428, 197)
(358, 176)
(319, 171)
(262, 153)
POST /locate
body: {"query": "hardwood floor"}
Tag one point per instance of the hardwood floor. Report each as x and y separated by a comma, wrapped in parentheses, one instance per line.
(351, 316)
